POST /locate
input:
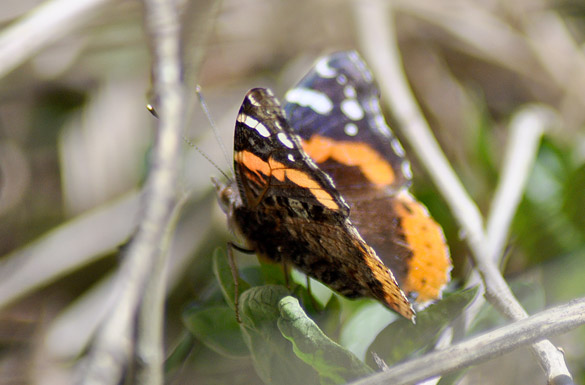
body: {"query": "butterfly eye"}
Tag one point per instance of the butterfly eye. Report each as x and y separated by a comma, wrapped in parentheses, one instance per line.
(225, 194)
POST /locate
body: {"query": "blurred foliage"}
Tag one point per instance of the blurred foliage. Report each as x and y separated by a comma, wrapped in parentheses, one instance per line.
(75, 138)
(270, 317)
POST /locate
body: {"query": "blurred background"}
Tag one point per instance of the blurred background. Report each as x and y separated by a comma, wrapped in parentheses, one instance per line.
(75, 138)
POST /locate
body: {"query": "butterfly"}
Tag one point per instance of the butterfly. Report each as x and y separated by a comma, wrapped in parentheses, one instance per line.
(322, 185)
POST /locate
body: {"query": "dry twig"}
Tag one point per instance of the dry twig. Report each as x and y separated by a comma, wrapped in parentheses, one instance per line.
(493, 344)
(113, 345)
(42, 26)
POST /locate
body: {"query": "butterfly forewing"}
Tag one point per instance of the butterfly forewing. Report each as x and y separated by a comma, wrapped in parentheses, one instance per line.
(269, 160)
(288, 210)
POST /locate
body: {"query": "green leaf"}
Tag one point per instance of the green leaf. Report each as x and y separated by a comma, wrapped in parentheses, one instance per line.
(364, 325)
(179, 352)
(545, 225)
(573, 197)
(485, 147)
(223, 274)
(335, 364)
(217, 328)
(272, 273)
(563, 277)
(272, 354)
(402, 338)
(527, 288)
(321, 293)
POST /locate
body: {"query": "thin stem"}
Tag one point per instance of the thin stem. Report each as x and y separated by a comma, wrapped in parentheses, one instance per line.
(526, 130)
(150, 341)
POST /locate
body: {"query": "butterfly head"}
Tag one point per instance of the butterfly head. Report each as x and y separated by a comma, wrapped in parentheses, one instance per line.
(227, 194)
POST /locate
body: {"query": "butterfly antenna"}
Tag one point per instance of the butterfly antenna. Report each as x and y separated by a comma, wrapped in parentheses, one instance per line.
(190, 143)
(211, 121)
(152, 110)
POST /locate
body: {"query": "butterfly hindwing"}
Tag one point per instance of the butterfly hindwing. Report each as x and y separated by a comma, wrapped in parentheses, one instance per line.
(335, 110)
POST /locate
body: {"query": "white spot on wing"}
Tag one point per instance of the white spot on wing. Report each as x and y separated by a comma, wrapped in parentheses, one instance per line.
(285, 140)
(359, 63)
(253, 100)
(341, 79)
(315, 100)
(252, 123)
(381, 125)
(406, 170)
(352, 109)
(397, 147)
(350, 129)
(374, 105)
(291, 157)
(324, 70)
(349, 92)
(368, 74)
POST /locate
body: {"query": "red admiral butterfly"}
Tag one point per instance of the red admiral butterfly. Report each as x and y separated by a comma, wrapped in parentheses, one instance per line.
(323, 186)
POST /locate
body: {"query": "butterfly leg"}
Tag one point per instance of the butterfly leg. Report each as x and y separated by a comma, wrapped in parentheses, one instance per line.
(313, 300)
(286, 272)
(234, 268)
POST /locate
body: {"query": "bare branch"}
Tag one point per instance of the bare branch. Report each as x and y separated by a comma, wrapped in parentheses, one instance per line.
(44, 25)
(150, 344)
(85, 314)
(476, 30)
(113, 344)
(484, 347)
(526, 130)
(47, 259)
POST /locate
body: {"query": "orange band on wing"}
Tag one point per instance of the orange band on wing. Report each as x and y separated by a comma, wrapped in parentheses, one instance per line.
(303, 179)
(371, 164)
(430, 264)
(280, 171)
(252, 162)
